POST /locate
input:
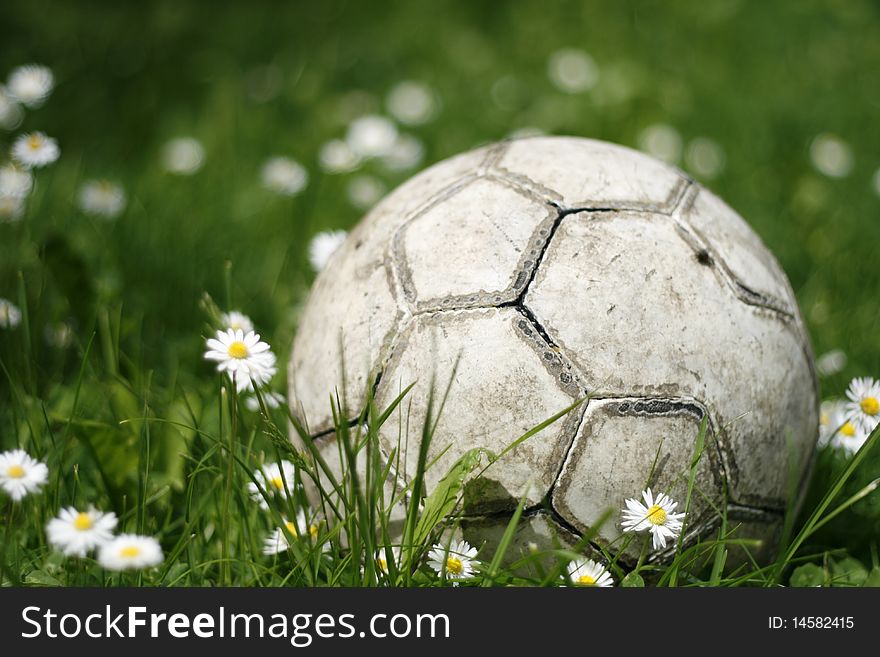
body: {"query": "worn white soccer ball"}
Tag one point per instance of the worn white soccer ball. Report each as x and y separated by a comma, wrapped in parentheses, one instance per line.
(552, 269)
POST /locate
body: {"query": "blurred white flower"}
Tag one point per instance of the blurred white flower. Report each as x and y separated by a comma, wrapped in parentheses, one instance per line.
(75, 533)
(704, 157)
(324, 245)
(243, 356)
(130, 552)
(371, 136)
(237, 321)
(10, 315)
(406, 153)
(58, 335)
(831, 362)
(572, 70)
(11, 114)
(102, 198)
(586, 572)
(831, 155)
(275, 479)
(183, 156)
(284, 176)
(337, 157)
(11, 208)
(364, 191)
(661, 141)
(15, 181)
(876, 182)
(271, 399)
(31, 84)
(20, 474)
(34, 150)
(411, 102)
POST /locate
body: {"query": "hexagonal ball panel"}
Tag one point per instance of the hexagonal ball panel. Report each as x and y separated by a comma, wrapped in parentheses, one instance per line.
(739, 249)
(477, 248)
(612, 455)
(351, 303)
(501, 390)
(626, 299)
(582, 173)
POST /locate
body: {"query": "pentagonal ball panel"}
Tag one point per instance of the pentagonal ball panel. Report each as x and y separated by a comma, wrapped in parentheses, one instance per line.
(583, 173)
(500, 389)
(477, 248)
(628, 301)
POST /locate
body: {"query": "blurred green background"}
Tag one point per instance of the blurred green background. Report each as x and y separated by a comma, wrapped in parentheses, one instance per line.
(773, 105)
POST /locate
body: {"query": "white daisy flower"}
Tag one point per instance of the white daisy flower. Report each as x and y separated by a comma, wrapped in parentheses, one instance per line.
(324, 245)
(337, 157)
(656, 515)
(406, 153)
(832, 415)
(572, 71)
(130, 552)
(586, 572)
(237, 321)
(457, 562)
(661, 141)
(381, 559)
(831, 155)
(15, 181)
(864, 403)
(364, 191)
(35, 150)
(243, 356)
(11, 209)
(31, 84)
(849, 437)
(277, 542)
(20, 474)
(276, 479)
(74, 533)
(10, 315)
(412, 103)
(371, 136)
(10, 111)
(183, 156)
(284, 176)
(102, 198)
(271, 399)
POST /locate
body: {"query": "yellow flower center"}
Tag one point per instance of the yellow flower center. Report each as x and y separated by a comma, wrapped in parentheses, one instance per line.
(382, 564)
(238, 349)
(586, 580)
(454, 566)
(291, 528)
(83, 521)
(130, 551)
(15, 471)
(870, 405)
(278, 482)
(34, 142)
(824, 419)
(848, 429)
(656, 515)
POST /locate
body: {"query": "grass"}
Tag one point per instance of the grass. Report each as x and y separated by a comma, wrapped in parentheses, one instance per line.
(129, 417)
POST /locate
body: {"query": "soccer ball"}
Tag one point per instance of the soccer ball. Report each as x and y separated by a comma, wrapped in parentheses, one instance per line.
(544, 270)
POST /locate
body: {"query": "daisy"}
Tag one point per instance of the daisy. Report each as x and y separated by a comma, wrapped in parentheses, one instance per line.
(11, 208)
(31, 84)
(236, 321)
(75, 533)
(849, 437)
(15, 181)
(20, 474)
(10, 111)
(271, 399)
(381, 559)
(411, 102)
(832, 415)
(102, 198)
(183, 156)
(457, 561)
(863, 408)
(336, 157)
(284, 176)
(324, 245)
(586, 572)
(35, 150)
(243, 356)
(656, 515)
(130, 551)
(275, 479)
(10, 315)
(406, 153)
(364, 191)
(277, 541)
(371, 136)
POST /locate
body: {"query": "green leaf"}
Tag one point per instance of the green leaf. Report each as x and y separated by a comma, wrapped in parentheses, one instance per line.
(848, 572)
(873, 578)
(633, 581)
(807, 575)
(443, 499)
(41, 578)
